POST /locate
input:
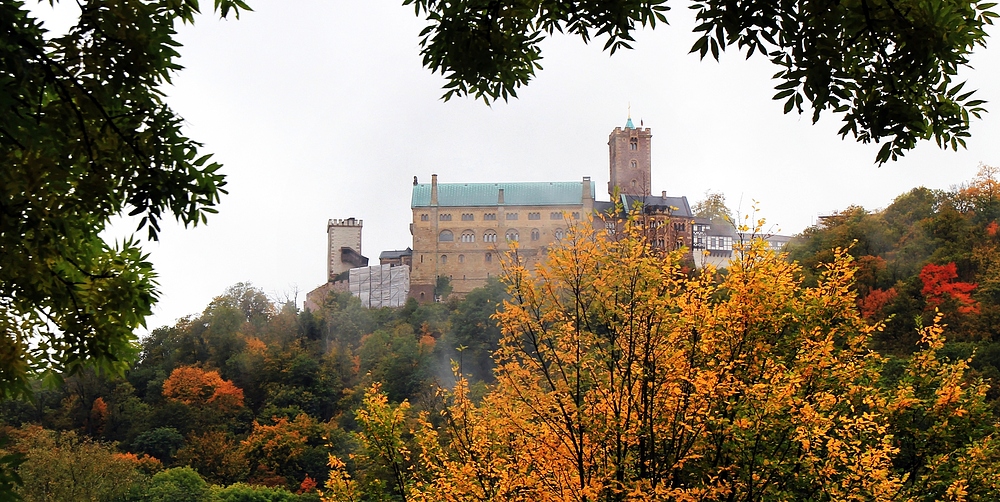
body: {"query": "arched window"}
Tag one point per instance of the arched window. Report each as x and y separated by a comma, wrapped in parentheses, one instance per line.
(461, 258)
(634, 184)
(635, 164)
(490, 236)
(512, 235)
(559, 233)
(468, 236)
(633, 143)
(444, 259)
(489, 257)
(535, 234)
(446, 236)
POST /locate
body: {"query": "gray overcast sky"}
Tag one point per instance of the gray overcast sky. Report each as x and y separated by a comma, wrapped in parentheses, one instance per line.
(321, 109)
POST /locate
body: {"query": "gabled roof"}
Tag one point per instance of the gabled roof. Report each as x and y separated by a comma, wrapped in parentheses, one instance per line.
(395, 254)
(677, 206)
(538, 193)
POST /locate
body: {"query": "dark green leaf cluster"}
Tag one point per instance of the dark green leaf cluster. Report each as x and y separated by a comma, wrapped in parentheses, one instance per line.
(85, 136)
(488, 48)
(888, 66)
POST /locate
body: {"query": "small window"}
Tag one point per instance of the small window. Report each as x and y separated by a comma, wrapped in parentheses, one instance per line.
(468, 236)
(512, 235)
(511, 216)
(489, 257)
(535, 234)
(534, 216)
(558, 233)
(490, 236)
(633, 144)
(634, 184)
(468, 217)
(424, 217)
(461, 259)
(635, 164)
(421, 258)
(555, 215)
(679, 227)
(444, 217)
(490, 216)
(446, 236)
(444, 259)
(576, 216)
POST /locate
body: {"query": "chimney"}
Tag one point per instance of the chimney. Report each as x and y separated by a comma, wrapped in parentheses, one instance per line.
(434, 189)
(500, 196)
(586, 187)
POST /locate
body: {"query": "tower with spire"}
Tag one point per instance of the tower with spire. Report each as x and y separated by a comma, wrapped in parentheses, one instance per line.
(629, 154)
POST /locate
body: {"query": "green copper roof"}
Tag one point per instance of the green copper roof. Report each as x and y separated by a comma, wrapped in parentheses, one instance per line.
(628, 125)
(541, 193)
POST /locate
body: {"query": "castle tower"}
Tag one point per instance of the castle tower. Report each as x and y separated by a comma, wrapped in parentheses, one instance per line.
(630, 160)
(343, 250)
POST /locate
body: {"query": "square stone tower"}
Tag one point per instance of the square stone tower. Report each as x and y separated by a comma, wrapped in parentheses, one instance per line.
(343, 246)
(629, 150)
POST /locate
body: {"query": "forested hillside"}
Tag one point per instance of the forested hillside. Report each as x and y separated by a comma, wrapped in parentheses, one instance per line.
(930, 250)
(247, 393)
(611, 372)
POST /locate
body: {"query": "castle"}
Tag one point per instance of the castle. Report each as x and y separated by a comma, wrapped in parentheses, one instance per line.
(460, 230)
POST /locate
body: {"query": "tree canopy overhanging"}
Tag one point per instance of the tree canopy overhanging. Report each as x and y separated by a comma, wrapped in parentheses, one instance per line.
(85, 135)
(887, 67)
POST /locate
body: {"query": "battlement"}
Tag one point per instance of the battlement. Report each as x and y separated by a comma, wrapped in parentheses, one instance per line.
(347, 222)
(641, 130)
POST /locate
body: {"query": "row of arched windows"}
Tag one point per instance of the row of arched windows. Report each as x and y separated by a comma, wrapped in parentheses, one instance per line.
(491, 235)
(488, 258)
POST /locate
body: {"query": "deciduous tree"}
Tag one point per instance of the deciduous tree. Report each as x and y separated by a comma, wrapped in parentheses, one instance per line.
(85, 135)
(200, 388)
(940, 286)
(621, 378)
(714, 207)
(63, 466)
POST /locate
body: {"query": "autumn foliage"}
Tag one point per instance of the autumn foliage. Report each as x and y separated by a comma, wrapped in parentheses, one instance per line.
(619, 377)
(876, 300)
(940, 286)
(194, 386)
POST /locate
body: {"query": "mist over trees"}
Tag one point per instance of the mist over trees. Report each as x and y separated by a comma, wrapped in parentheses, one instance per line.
(87, 135)
(249, 395)
(610, 372)
(622, 376)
